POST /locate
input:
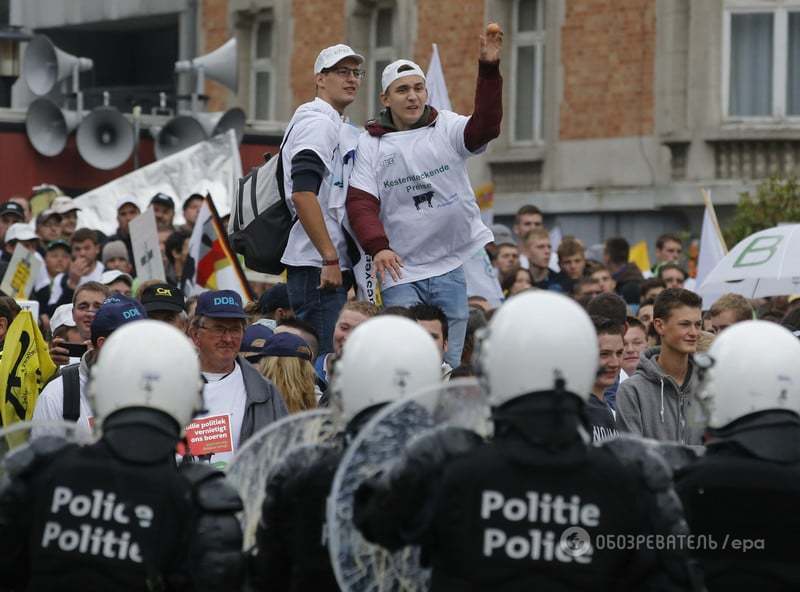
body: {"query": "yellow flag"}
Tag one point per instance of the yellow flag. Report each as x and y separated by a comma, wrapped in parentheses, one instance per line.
(24, 370)
(639, 256)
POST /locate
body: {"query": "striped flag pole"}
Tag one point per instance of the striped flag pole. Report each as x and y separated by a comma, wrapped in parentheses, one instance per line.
(222, 236)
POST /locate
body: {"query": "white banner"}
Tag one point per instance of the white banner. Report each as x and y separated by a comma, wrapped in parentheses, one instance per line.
(212, 167)
(438, 97)
(712, 251)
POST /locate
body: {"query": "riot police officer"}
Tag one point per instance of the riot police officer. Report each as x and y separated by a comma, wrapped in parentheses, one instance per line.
(741, 497)
(384, 359)
(117, 514)
(536, 506)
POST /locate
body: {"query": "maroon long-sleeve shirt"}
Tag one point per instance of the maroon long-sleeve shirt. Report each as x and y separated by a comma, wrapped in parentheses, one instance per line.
(363, 209)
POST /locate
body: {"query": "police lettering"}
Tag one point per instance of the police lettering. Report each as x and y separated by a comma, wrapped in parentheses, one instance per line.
(93, 538)
(538, 508)
(92, 541)
(224, 300)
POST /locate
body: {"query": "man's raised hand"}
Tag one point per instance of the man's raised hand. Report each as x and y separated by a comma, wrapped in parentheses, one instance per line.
(491, 43)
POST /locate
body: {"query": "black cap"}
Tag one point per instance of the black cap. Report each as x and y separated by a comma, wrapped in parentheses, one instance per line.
(12, 207)
(163, 297)
(59, 244)
(276, 297)
(163, 199)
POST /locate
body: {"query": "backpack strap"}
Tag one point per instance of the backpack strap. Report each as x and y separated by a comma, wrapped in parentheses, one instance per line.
(279, 170)
(70, 377)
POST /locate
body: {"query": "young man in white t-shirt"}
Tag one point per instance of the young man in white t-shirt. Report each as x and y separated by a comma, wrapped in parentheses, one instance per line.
(410, 202)
(316, 156)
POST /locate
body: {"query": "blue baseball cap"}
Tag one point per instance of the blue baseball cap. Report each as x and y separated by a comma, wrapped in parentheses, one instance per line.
(255, 338)
(287, 345)
(276, 297)
(220, 304)
(116, 310)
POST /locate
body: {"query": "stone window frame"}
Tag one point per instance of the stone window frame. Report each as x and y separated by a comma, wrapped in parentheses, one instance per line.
(537, 39)
(780, 10)
(361, 15)
(260, 65)
(379, 54)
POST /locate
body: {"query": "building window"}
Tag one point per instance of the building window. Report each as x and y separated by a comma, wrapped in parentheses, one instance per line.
(527, 59)
(262, 71)
(761, 67)
(381, 50)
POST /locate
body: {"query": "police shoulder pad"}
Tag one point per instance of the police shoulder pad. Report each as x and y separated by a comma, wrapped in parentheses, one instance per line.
(28, 457)
(643, 456)
(211, 491)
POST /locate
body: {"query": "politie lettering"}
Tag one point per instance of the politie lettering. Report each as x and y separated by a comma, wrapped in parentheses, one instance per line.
(94, 539)
(538, 544)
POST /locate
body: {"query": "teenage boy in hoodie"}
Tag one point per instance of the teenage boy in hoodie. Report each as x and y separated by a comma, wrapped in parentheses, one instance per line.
(659, 400)
(598, 411)
(316, 166)
(410, 202)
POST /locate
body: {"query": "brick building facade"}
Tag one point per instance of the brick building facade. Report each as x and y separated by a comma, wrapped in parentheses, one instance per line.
(616, 112)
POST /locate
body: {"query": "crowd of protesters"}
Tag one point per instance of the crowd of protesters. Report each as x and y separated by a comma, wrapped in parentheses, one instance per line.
(280, 354)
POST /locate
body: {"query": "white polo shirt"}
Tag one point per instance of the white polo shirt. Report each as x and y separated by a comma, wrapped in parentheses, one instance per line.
(318, 127)
(428, 209)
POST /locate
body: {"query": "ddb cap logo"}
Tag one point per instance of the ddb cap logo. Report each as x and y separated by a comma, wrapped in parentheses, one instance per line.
(223, 300)
(131, 313)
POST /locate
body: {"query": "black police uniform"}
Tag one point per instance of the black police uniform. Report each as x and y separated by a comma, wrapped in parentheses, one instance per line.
(741, 501)
(292, 537)
(524, 510)
(117, 515)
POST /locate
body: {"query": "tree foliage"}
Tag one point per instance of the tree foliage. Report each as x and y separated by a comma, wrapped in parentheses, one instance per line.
(776, 201)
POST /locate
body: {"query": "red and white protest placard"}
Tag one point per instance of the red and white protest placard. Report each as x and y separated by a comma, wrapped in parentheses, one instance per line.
(210, 435)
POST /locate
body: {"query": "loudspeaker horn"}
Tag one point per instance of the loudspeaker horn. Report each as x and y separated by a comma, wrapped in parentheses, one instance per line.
(219, 65)
(179, 132)
(48, 126)
(105, 138)
(221, 121)
(44, 65)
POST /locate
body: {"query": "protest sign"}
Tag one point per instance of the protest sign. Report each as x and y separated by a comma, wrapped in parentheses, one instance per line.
(146, 249)
(210, 435)
(21, 272)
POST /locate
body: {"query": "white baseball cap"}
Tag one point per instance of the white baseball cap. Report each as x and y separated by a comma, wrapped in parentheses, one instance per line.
(62, 317)
(109, 277)
(126, 199)
(390, 72)
(63, 204)
(20, 232)
(330, 56)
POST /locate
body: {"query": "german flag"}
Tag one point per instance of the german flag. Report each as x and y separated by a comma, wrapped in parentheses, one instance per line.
(217, 268)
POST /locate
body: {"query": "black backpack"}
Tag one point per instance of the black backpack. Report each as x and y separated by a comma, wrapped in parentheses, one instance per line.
(70, 377)
(261, 220)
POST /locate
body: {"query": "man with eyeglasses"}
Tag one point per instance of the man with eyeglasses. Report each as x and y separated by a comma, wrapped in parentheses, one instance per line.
(233, 389)
(317, 157)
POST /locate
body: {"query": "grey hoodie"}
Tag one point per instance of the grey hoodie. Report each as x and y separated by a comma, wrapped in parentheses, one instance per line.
(651, 404)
